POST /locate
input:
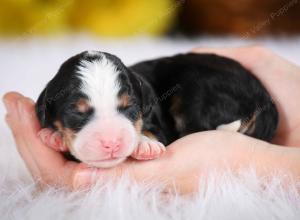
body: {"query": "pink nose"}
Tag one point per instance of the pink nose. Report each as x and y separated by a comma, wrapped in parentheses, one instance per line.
(110, 145)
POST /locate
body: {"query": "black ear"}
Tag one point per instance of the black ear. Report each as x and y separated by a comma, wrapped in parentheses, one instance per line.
(42, 109)
(148, 97)
(144, 91)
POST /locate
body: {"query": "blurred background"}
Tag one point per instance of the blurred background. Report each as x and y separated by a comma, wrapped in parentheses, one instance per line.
(36, 36)
(127, 18)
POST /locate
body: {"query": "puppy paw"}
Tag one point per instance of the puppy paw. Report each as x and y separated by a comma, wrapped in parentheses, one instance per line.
(148, 149)
(52, 139)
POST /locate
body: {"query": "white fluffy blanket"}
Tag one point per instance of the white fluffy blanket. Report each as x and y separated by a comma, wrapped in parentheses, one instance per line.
(27, 65)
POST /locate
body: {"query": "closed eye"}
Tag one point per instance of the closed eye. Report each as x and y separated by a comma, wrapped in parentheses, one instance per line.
(127, 107)
(75, 119)
(132, 111)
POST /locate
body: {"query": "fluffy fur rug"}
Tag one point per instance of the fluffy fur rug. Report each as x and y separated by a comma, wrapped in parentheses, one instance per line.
(26, 67)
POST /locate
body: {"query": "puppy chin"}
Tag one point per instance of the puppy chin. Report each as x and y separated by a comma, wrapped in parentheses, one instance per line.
(105, 163)
(100, 162)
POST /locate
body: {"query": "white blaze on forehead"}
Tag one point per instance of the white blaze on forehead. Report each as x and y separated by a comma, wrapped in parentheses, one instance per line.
(100, 84)
(93, 52)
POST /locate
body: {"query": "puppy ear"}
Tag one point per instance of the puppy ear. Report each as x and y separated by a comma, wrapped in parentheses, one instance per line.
(42, 109)
(144, 91)
(148, 97)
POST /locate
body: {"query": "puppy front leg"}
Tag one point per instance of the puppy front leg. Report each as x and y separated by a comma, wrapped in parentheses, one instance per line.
(148, 148)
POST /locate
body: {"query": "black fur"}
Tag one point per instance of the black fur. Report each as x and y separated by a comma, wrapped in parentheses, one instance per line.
(57, 100)
(211, 90)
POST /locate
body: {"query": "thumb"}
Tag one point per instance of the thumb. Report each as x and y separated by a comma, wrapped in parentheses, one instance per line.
(86, 177)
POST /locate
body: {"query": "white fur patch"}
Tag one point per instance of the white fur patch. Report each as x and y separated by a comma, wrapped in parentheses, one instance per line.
(233, 126)
(93, 52)
(100, 84)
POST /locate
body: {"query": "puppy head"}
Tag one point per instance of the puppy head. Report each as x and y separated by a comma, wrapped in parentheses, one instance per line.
(98, 105)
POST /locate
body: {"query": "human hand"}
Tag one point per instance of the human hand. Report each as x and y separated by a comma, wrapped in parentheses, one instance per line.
(47, 165)
(185, 162)
(280, 77)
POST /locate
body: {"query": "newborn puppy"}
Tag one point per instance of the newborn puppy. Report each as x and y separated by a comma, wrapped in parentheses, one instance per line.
(102, 112)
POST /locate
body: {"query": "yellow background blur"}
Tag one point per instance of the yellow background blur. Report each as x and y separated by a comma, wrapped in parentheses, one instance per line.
(101, 17)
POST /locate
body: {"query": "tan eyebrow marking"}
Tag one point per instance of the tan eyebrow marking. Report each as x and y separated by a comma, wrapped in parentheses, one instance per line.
(82, 105)
(124, 100)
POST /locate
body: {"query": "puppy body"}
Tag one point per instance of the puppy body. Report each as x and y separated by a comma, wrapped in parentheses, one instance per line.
(198, 92)
(102, 111)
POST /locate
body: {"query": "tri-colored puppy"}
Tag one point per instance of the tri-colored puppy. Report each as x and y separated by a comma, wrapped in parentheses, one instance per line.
(102, 112)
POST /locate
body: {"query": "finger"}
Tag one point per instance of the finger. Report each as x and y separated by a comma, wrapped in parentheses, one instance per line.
(84, 177)
(10, 101)
(53, 167)
(44, 164)
(29, 124)
(26, 108)
(42, 161)
(136, 170)
(223, 51)
(217, 50)
(13, 119)
(11, 96)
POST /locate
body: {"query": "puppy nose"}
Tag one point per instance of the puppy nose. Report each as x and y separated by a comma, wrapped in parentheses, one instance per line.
(110, 145)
